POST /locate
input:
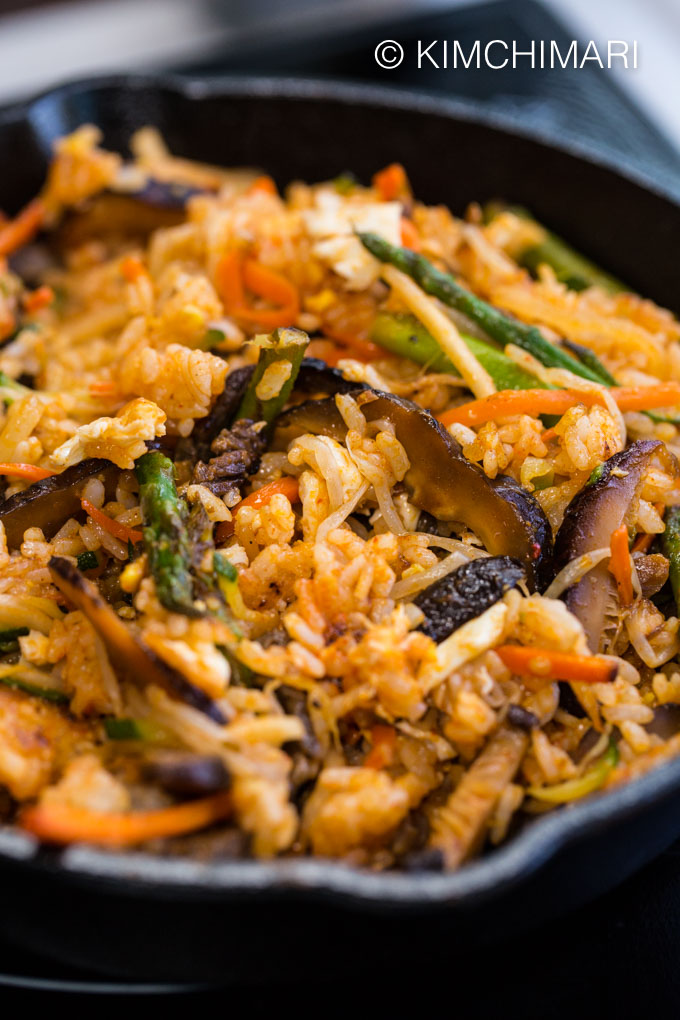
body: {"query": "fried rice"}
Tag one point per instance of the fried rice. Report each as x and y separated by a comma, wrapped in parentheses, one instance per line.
(295, 552)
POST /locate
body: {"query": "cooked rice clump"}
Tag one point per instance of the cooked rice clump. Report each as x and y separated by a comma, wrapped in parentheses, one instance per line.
(346, 728)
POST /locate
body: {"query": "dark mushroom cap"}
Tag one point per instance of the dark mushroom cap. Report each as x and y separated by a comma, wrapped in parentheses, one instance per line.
(49, 503)
(466, 593)
(591, 517)
(441, 480)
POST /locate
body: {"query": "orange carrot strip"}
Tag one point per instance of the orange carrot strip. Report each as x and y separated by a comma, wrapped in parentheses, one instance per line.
(360, 350)
(63, 823)
(620, 565)
(22, 228)
(28, 471)
(37, 299)
(547, 665)
(234, 274)
(410, 238)
(102, 388)
(131, 268)
(548, 435)
(326, 350)
(384, 741)
(510, 402)
(229, 280)
(287, 486)
(276, 289)
(642, 398)
(116, 528)
(643, 541)
(264, 184)
(391, 183)
(7, 326)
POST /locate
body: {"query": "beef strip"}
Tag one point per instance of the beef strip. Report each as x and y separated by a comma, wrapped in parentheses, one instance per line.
(237, 454)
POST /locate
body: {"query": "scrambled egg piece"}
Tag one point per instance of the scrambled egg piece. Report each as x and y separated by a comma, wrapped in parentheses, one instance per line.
(121, 439)
(333, 223)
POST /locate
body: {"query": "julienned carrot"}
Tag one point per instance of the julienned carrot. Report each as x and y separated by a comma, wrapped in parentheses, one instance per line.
(326, 350)
(64, 824)
(22, 228)
(546, 665)
(620, 565)
(360, 350)
(384, 742)
(535, 402)
(274, 288)
(287, 486)
(131, 268)
(410, 238)
(102, 388)
(509, 402)
(641, 398)
(28, 471)
(391, 183)
(116, 528)
(229, 280)
(37, 299)
(264, 184)
(234, 274)
(643, 541)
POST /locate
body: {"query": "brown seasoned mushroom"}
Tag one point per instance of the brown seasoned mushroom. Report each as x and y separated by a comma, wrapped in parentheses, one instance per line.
(49, 503)
(591, 517)
(441, 480)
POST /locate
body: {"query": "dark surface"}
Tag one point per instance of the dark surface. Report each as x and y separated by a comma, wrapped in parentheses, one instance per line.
(178, 932)
(570, 105)
(616, 957)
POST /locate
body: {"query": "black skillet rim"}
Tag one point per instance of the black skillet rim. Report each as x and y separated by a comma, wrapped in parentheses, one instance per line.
(484, 879)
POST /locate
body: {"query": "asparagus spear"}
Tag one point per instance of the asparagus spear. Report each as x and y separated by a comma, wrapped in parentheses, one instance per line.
(227, 579)
(281, 354)
(498, 326)
(670, 543)
(165, 534)
(405, 336)
(571, 268)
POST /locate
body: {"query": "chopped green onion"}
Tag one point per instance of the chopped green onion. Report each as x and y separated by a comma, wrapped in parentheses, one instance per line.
(88, 560)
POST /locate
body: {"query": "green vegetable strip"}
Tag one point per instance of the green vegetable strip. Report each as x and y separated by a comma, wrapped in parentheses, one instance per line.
(128, 728)
(570, 267)
(13, 633)
(573, 789)
(283, 345)
(405, 336)
(27, 687)
(498, 326)
(9, 639)
(165, 535)
(88, 561)
(670, 543)
(590, 360)
(227, 579)
(11, 390)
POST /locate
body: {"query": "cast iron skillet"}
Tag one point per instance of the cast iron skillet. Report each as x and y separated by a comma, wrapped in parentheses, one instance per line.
(174, 918)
